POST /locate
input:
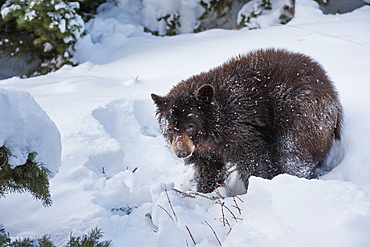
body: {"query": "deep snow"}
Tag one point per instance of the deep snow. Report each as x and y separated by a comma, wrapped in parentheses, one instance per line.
(117, 172)
(26, 128)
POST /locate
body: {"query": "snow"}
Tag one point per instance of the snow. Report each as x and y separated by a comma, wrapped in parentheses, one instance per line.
(26, 128)
(263, 18)
(5, 11)
(188, 11)
(117, 173)
(47, 47)
(29, 16)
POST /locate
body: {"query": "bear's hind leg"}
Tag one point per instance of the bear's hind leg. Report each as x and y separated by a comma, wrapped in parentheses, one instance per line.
(257, 163)
(295, 159)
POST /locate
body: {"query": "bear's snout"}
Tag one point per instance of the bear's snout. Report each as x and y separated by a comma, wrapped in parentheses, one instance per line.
(182, 146)
(182, 153)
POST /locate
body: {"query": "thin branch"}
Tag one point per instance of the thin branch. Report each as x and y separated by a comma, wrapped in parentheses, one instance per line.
(231, 192)
(219, 194)
(165, 211)
(169, 201)
(212, 198)
(187, 228)
(218, 240)
(193, 194)
(233, 215)
(184, 194)
(222, 213)
(234, 198)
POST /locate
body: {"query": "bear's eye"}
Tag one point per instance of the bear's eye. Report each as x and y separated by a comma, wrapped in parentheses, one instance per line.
(190, 129)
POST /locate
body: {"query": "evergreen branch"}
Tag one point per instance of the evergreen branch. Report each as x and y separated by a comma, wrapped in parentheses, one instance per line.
(91, 239)
(30, 177)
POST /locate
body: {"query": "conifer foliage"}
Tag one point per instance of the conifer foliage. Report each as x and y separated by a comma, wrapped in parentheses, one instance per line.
(208, 14)
(91, 239)
(45, 29)
(280, 12)
(30, 177)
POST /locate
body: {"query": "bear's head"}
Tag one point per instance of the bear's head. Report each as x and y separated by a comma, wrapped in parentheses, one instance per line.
(187, 119)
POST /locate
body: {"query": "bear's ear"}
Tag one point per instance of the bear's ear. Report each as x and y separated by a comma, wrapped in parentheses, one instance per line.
(205, 93)
(159, 101)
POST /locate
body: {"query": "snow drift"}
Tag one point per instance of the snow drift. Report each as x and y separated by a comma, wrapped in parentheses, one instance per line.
(26, 128)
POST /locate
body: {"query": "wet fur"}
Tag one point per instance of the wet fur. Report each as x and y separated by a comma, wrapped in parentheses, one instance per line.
(268, 112)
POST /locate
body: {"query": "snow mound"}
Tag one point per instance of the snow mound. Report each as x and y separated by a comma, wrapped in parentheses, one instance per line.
(297, 212)
(284, 211)
(26, 128)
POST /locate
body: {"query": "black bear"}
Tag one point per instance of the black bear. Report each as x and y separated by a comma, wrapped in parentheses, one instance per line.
(268, 112)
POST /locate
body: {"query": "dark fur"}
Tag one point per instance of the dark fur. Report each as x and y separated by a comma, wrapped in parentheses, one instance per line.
(269, 112)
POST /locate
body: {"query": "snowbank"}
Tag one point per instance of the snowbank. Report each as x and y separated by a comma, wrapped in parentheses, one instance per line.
(26, 128)
(286, 211)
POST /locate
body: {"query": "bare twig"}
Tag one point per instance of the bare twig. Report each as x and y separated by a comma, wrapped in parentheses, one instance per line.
(169, 201)
(232, 214)
(218, 240)
(223, 214)
(193, 194)
(219, 194)
(234, 198)
(237, 207)
(229, 231)
(184, 194)
(231, 192)
(165, 211)
(218, 199)
(212, 198)
(225, 221)
(187, 228)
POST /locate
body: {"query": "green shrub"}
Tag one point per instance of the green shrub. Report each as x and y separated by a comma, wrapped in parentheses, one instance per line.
(41, 29)
(217, 14)
(30, 177)
(91, 239)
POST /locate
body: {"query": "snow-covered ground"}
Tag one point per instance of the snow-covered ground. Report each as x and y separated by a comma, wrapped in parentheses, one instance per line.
(117, 173)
